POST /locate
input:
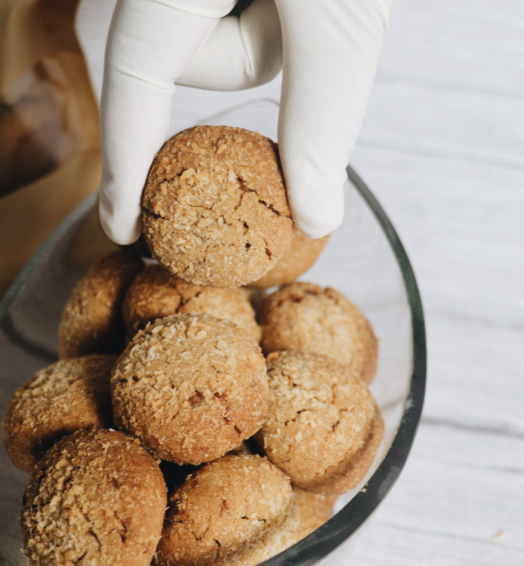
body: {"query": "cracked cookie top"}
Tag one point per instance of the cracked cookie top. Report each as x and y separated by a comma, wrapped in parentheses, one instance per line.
(321, 425)
(227, 512)
(191, 387)
(64, 397)
(215, 210)
(97, 498)
(155, 293)
(305, 317)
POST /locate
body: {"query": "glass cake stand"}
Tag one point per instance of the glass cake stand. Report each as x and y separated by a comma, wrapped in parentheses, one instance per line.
(364, 259)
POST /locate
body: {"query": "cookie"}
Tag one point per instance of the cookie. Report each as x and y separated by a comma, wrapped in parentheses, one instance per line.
(155, 293)
(64, 397)
(305, 317)
(238, 510)
(297, 259)
(323, 427)
(96, 498)
(92, 320)
(313, 510)
(191, 387)
(215, 210)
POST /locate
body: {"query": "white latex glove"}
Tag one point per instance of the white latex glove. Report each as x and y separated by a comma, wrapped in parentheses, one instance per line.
(329, 51)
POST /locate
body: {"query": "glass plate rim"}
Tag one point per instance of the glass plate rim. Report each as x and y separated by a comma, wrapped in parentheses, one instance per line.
(352, 516)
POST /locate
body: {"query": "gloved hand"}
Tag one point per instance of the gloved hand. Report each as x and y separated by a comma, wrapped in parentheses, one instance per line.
(328, 50)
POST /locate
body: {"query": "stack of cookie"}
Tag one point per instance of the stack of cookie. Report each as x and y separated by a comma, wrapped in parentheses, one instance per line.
(255, 412)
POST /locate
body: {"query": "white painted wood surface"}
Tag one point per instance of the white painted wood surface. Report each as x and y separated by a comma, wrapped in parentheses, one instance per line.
(442, 149)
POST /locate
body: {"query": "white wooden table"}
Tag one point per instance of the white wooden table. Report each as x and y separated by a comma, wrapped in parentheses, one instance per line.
(442, 149)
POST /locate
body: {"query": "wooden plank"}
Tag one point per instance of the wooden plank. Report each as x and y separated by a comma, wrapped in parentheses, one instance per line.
(458, 502)
(442, 149)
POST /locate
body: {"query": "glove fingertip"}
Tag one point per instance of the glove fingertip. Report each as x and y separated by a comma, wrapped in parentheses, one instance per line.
(318, 228)
(316, 197)
(316, 217)
(117, 227)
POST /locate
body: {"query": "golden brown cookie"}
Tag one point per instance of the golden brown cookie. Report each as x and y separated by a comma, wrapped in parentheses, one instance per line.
(215, 209)
(64, 397)
(238, 510)
(155, 293)
(298, 258)
(97, 498)
(305, 317)
(313, 510)
(191, 387)
(92, 320)
(323, 427)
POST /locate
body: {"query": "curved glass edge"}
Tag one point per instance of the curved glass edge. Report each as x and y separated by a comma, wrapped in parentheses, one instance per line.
(353, 515)
(349, 519)
(81, 210)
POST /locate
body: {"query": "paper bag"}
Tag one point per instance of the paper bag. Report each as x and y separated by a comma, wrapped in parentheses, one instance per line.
(50, 156)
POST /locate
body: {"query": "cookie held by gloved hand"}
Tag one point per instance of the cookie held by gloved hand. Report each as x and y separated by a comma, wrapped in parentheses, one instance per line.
(191, 387)
(98, 498)
(215, 210)
(305, 317)
(237, 511)
(156, 293)
(323, 427)
(60, 399)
